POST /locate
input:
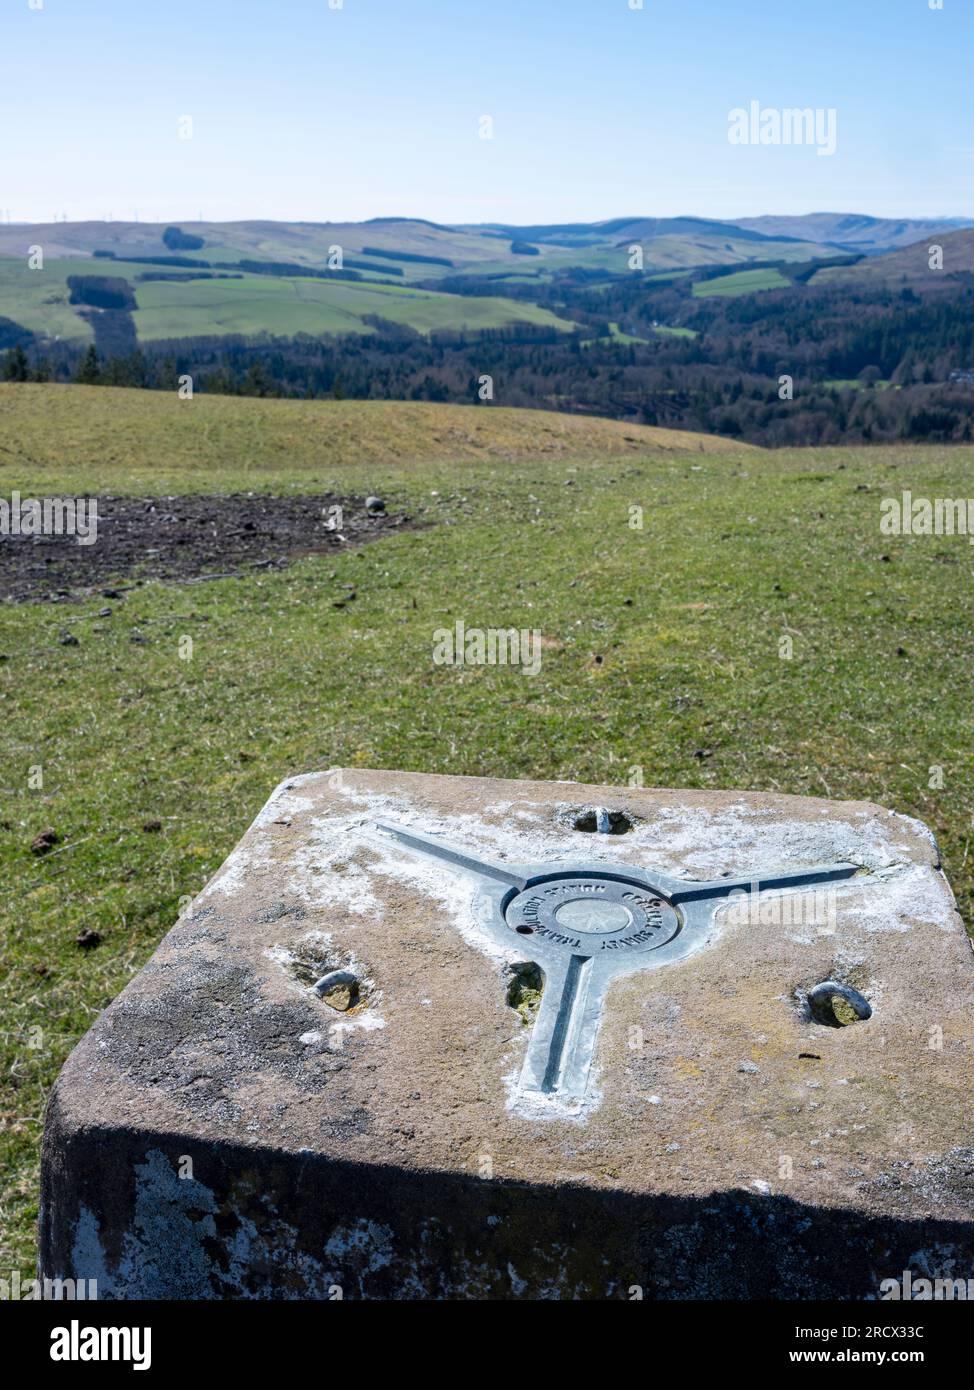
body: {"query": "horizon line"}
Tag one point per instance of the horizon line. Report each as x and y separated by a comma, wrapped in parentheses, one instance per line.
(405, 217)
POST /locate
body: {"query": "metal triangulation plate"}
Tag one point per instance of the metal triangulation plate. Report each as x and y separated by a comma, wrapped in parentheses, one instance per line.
(585, 923)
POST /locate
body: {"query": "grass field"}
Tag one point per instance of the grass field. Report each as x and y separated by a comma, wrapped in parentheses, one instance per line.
(269, 304)
(738, 549)
(741, 282)
(39, 301)
(117, 440)
(665, 331)
(615, 335)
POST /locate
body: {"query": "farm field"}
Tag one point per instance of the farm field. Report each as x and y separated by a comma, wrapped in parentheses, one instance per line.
(662, 654)
(252, 304)
(271, 304)
(742, 282)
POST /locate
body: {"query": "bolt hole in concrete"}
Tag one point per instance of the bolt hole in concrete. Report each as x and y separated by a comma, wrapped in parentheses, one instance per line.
(599, 820)
(837, 1006)
(525, 986)
(339, 989)
(336, 979)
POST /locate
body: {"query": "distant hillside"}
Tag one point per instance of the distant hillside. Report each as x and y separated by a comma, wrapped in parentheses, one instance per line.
(201, 279)
(176, 301)
(878, 345)
(427, 250)
(909, 267)
(302, 243)
(853, 231)
(619, 230)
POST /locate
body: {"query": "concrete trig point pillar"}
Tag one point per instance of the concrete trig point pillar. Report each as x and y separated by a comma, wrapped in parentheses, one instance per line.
(746, 1075)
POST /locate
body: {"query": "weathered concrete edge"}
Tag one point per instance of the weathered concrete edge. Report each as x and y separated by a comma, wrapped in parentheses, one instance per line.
(381, 1233)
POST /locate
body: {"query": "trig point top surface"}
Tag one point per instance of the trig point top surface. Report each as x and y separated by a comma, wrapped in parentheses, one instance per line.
(741, 992)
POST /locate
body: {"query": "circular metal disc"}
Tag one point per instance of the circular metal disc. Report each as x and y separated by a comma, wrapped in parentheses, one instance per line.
(592, 915)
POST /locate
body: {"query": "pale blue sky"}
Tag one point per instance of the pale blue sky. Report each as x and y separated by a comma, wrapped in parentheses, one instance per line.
(305, 112)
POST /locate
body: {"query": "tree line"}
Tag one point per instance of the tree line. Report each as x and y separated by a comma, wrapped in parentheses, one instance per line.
(862, 364)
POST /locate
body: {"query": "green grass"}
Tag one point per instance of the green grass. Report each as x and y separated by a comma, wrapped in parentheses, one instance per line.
(738, 549)
(615, 335)
(666, 258)
(110, 439)
(268, 304)
(666, 332)
(854, 384)
(39, 301)
(741, 282)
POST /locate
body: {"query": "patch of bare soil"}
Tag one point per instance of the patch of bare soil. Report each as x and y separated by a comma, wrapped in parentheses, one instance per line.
(186, 539)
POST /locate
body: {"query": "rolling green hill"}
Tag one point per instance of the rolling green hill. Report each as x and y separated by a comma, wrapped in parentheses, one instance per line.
(288, 305)
(427, 251)
(390, 256)
(119, 440)
(38, 300)
(907, 267)
(400, 264)
(852, 231)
